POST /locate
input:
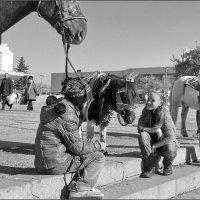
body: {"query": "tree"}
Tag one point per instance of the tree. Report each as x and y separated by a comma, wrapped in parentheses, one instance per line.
(20, 83)
(21, 67)
(189, 65)
(147, 83)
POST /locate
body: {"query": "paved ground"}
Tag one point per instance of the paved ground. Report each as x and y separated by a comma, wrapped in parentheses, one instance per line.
(18, 130)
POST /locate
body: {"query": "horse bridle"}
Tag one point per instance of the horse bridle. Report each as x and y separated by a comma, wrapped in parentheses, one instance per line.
(62, 15)
(122, 106)
(60, 24)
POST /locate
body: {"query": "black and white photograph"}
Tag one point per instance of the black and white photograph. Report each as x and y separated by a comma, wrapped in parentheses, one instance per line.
(99, 99)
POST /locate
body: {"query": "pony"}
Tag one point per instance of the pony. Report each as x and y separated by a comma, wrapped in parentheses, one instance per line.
(110, 93)
(185, 95)
(65, 16)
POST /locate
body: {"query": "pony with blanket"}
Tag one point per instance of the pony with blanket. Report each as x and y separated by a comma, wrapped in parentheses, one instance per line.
(111, 93)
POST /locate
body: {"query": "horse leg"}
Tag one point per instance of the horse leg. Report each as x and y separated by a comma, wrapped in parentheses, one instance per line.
(198, 124)
(184, 113)
(174, 110)
(103, 133)
(90, 129)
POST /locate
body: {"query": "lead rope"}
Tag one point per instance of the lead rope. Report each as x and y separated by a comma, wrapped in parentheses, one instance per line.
(66, 49)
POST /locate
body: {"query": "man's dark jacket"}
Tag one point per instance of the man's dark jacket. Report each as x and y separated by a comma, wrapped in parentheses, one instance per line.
(6, 87)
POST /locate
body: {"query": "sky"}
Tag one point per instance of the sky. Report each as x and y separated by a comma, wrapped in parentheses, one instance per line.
(120, 35)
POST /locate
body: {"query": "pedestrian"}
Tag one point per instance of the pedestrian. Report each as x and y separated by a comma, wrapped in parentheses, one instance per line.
(58, 147)
(30, 93)
(6, 89)
(156, 135)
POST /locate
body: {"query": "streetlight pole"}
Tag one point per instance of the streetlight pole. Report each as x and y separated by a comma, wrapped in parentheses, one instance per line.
(166, 85)
(166, 70)
(41, 76)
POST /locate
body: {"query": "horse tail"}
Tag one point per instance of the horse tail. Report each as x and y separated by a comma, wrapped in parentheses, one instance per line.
(175, 97)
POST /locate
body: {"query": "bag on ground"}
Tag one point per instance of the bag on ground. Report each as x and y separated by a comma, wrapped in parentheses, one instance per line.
(22, 101)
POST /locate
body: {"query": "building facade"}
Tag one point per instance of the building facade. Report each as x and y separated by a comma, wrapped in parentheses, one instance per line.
(6, 63)
(6, 59)
(165, 74)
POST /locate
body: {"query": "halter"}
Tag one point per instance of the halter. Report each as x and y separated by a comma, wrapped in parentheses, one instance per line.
(120, 105)
(63, 15)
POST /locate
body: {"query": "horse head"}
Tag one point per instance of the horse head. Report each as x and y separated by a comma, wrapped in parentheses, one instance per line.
(126, 94)
(66, 17)
(118, 94)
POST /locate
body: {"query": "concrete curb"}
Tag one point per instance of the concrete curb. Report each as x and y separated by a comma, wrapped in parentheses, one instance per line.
(117, 169)
(184, 179)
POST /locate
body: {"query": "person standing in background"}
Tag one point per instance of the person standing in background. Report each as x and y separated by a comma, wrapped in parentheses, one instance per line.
(30, 93)
(6, 89)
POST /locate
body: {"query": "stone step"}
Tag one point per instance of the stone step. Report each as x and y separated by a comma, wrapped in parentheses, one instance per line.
(116, 170)
(183, 179)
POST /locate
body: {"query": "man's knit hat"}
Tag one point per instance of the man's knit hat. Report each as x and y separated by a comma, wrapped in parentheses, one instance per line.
(75, 88)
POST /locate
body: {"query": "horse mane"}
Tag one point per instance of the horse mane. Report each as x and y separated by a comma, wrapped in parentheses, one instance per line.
(96, 82)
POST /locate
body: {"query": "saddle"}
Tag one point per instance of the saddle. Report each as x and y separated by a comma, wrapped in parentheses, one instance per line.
(193, 83)
(94, 80)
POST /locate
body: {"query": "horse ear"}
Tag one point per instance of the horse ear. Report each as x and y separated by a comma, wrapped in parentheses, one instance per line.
(131, 77)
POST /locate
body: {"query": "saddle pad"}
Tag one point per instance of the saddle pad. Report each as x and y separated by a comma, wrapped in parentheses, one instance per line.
(193, 83)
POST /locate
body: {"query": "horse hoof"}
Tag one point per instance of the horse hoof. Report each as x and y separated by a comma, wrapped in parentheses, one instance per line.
(185, 135)
(105, 152)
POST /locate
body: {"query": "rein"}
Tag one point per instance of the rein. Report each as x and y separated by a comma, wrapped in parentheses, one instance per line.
(66, 47)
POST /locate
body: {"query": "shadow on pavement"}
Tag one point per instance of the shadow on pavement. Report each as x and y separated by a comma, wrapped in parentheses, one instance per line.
(122, 146)
(129, 154)
(15, 170)
(17, 147)
(121, 134)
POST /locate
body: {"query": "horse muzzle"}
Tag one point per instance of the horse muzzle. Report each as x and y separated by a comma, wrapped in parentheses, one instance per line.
(74, 32)
(127, 116)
